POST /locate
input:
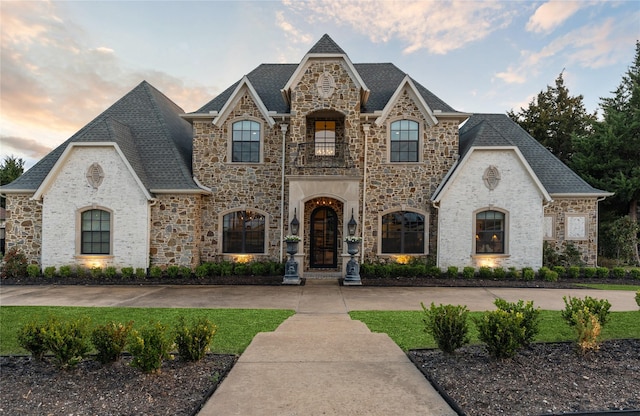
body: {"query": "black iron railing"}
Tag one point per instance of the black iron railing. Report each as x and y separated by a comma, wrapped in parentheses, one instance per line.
(322, 155)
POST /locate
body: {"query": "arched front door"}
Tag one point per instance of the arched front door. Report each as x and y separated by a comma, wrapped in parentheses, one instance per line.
(324, 238)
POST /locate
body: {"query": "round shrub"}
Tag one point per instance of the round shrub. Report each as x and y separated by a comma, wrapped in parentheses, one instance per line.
(31, 338)
(110, 340)
(149, 347)
(33, 270)
(448, 325)
(502, 332)
(193, 339)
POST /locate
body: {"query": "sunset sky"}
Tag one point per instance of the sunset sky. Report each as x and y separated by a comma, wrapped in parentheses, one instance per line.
(63, 63)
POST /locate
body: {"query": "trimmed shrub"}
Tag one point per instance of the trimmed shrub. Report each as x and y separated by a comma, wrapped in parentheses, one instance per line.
(499, 273)
(502, 332)
(31, 338)
(528, 273)
(452, 272)
(155, 272)
(448, 326)
(573, 272)
(65, 271)
(33, 270)
(512, 273)
(258, 268)
(485, 272)
(634, 273)
(96, 272)
(542, 272)
(588, 329)
(127, 272)
(149, 347)
(110, 340)
(468, 272)
(173, 271)
(141, 273)
(561, 270)
(184, 272)
(110, 272)
(530, 317)
(598, 307)
(551, 276)
(638, 298)
(619, 272)
(590, 272)
(602, 272)
(226, 268)
(15, 264)
(202, 271)
(193, 339)
(241, 269)
(50, 272)
(68, 341)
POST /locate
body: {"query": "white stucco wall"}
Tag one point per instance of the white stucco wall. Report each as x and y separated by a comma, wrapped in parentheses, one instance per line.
(516, 193)
(69, 192)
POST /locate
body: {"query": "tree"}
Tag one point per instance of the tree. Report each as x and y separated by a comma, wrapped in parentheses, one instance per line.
(554, 117)
(10, 170)
(609, 158)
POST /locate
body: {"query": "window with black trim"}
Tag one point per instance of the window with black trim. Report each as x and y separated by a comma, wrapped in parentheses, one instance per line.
(404, 141)
(245, 142)
(325, 138)
(95, 232)
(490, 232)
(243, 232)
(403, 233)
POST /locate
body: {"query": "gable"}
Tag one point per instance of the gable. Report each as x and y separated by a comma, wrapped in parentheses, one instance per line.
(407, 88)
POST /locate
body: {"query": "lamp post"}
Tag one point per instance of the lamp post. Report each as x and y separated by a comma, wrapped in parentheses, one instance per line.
(291, 267)
(353, 246)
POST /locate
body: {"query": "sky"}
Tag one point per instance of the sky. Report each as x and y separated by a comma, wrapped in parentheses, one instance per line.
(62, 63)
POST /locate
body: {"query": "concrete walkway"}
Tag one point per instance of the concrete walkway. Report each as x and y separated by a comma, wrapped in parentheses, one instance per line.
(319, 361)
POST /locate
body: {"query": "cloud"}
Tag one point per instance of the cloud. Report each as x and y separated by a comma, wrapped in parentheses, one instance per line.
(54, 80)
(436, 26)
(28, 147)
(552, 14)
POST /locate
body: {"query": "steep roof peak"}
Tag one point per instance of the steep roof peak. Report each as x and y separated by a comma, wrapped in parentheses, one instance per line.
(326, 45)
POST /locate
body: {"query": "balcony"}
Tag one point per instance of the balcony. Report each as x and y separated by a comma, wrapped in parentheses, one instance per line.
(322, 155)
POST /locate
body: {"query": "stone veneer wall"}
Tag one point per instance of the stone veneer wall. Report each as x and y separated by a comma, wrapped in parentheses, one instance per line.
(176, 231)
(587, 207)
(237, 186)
(24, 226)
(406, 186)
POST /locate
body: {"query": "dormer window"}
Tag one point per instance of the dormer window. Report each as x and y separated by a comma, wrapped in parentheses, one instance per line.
(245, 140)
(325, 138)
(404, 141)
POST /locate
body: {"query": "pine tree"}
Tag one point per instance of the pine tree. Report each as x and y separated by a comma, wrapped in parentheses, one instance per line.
(554, 117)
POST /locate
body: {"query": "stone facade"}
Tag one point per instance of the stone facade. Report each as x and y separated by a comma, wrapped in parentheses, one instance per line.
(582, 215)
(24, 226)
(176, 234)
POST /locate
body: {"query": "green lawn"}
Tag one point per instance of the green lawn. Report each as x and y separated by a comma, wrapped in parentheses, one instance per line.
(236, 327)
(600, 286)
(407, 329)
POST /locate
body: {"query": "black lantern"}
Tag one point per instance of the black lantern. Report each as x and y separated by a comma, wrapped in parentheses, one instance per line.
(352, 224)
(295, 224)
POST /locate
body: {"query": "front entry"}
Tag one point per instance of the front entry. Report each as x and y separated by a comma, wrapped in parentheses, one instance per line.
(324, 238)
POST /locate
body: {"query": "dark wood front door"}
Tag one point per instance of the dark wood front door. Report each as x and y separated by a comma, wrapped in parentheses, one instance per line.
(324, 238)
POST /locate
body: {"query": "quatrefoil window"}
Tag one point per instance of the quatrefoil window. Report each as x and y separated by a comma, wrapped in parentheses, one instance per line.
(326, 85)
(95, 175)
(491, 177)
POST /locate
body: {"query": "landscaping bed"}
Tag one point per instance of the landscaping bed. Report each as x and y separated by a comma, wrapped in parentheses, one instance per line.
(544, 379)
(30, 387)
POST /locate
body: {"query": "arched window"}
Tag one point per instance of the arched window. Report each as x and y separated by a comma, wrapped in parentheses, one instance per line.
(95, 232)
(404, 141)
(243, 232)
(246, 142)
(403, 233)
(490, 237)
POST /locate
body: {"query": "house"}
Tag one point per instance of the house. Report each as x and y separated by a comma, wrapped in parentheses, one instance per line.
(325, 141)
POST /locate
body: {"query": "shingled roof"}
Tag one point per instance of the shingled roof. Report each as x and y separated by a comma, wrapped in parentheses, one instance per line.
(148, 128)
(382, 79)
(499, 130)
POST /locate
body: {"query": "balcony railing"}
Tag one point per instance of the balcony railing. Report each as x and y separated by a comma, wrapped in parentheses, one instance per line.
(322, 155)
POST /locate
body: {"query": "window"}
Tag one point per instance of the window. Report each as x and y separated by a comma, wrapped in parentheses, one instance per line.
(490, 232)
(96, 232)
(246, 142)
(404, 141)
(325, 138)
(243, 232)
(403, 233)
